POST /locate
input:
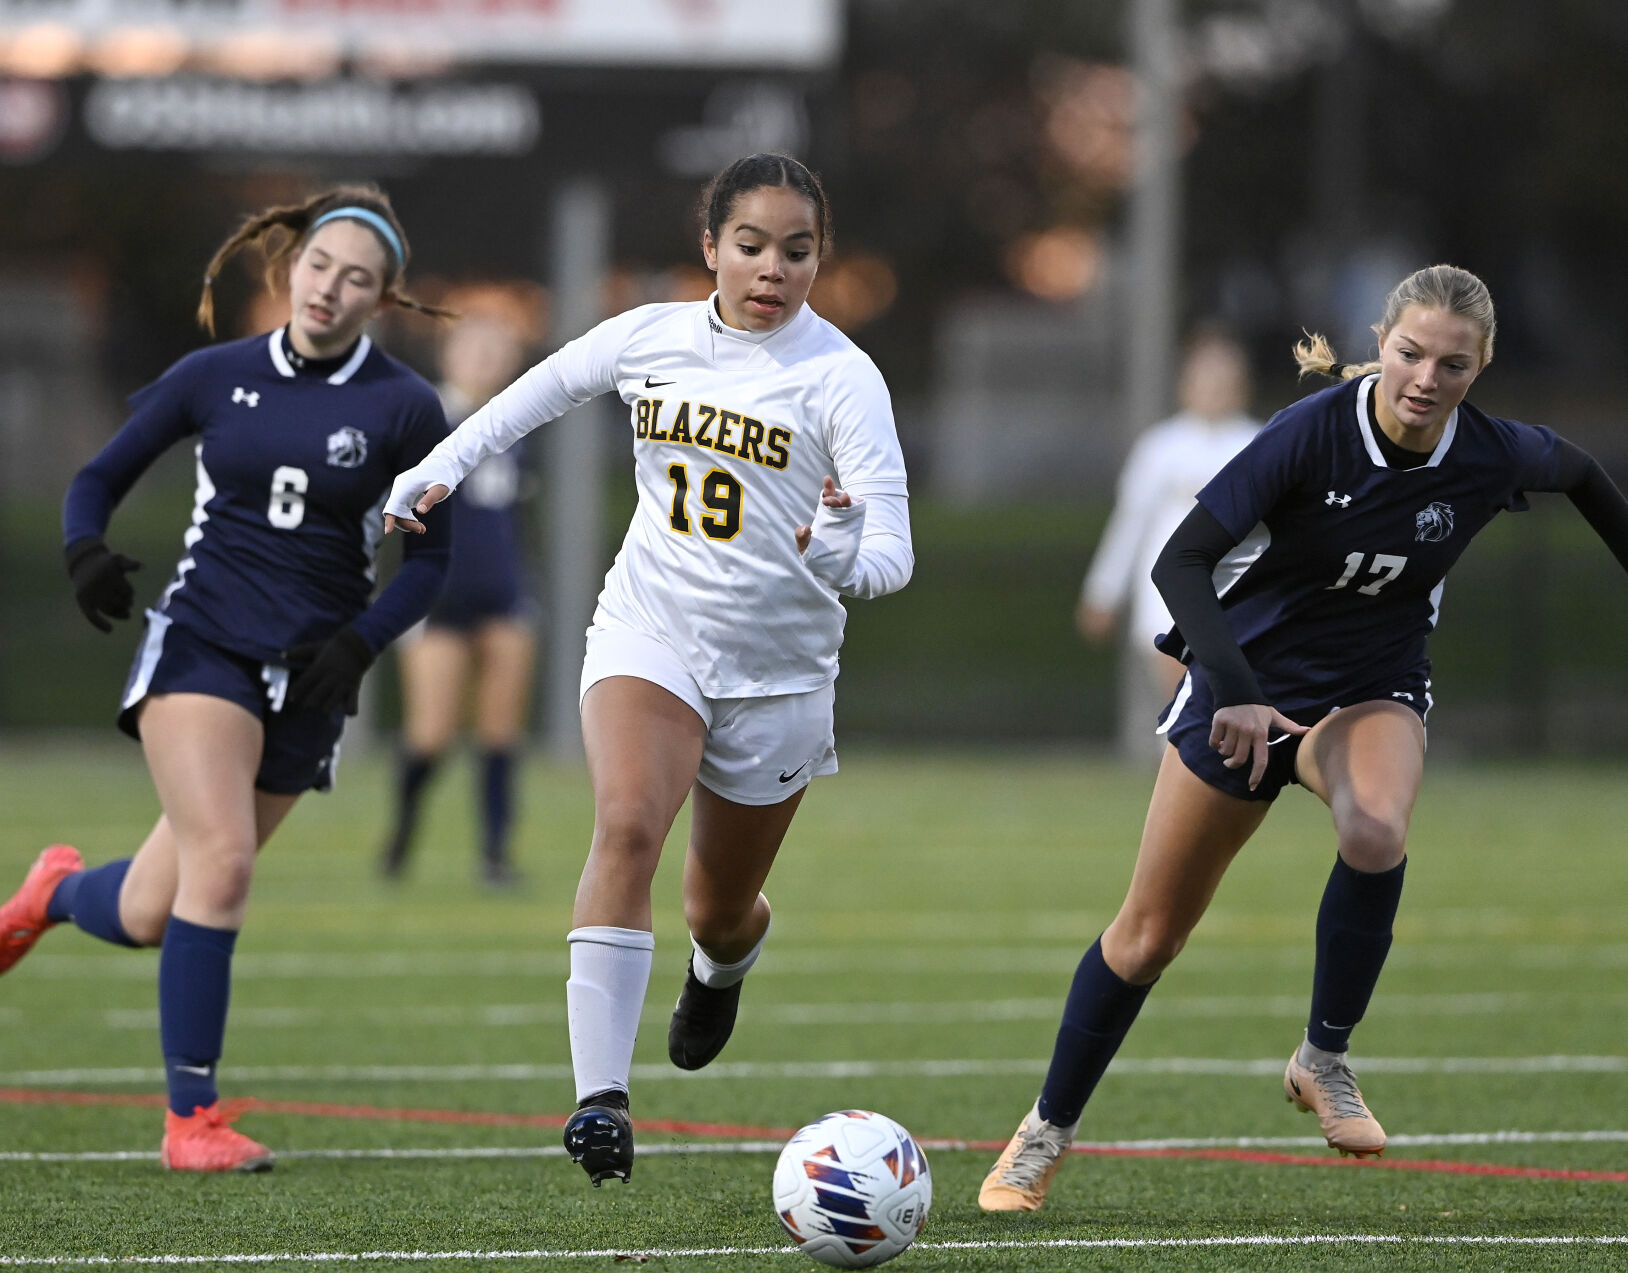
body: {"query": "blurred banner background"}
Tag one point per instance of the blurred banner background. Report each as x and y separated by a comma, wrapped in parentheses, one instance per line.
(1034, 200)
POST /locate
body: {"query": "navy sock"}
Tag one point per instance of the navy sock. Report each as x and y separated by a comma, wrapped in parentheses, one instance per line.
(1099, 1012)
(90, 899)
(194, 987)
(497, 803)
(413, 771)
(1353, 938)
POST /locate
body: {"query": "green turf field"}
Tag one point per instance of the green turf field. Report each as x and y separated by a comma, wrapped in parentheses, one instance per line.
(407, 1046)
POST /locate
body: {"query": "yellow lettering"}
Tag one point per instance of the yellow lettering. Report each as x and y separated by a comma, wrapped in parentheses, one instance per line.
(703, 432)
(725, 420)
(679, 430)
(656, 404)
(751, 436)
(641, 417)
(779, 448)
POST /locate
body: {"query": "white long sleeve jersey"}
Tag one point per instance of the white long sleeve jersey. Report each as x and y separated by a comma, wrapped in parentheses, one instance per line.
(1163, 472)
(734, 433)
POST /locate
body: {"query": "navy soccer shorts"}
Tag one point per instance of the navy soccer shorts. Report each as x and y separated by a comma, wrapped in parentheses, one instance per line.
(1187, 720)
(301, 749)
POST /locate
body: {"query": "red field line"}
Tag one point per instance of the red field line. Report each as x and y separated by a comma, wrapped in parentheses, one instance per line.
(728, 1131)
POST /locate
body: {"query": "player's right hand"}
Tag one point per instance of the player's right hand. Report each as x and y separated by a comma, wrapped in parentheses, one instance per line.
(410, 498)
(1241, 734)
(99, 583)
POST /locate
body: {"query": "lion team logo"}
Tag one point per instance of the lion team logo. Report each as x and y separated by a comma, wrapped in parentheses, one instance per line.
(1433, 524)
(347, 448)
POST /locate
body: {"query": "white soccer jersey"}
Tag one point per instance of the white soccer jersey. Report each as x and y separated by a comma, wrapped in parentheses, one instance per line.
(734, 433)
(1165, 469)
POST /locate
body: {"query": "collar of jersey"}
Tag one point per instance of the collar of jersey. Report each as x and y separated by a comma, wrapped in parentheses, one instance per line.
(279, 359)
(721, 329)
(1367, 389)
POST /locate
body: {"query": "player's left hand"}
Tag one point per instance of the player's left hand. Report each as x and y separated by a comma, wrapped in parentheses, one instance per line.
(1241, 732)
(327, 675)
(831, 497)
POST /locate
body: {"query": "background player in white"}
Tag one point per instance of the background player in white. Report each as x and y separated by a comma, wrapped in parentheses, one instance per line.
(1163, 472)
(253, 654)
(1305, 584)
(710, 665)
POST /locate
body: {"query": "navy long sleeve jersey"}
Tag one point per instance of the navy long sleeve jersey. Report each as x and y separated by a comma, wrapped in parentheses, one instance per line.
(1335, 582)
(293, 467)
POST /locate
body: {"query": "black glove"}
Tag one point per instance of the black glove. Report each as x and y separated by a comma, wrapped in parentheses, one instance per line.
(327, 675)
(99, 583)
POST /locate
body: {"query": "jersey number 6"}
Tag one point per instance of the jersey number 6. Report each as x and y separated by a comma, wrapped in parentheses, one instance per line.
(288, 486)
(1386, 565)
(720, 495)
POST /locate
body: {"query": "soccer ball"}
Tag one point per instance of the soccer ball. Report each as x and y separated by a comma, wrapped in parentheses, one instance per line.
(852, 1189)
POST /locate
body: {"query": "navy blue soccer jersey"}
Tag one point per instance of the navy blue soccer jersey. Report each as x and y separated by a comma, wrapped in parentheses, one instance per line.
(1336, 580)
(293, 466)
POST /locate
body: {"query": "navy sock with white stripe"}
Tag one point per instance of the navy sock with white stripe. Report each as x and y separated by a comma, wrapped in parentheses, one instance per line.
(194, 988)
(1353, 937)
(1099, 1012)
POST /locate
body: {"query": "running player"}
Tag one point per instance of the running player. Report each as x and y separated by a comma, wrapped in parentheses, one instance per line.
(479, 635)
(713, 652)
(253, 654)
(1304, 587)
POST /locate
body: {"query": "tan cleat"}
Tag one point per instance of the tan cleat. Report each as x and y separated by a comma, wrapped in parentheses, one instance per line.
(1330, 1092)
(1021, 1175)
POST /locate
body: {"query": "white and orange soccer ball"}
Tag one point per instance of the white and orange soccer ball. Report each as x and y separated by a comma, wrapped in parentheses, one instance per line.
(852, 1189)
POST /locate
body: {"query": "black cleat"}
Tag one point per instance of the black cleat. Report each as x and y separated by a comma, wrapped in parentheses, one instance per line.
(703, 1020)
(599, 1136)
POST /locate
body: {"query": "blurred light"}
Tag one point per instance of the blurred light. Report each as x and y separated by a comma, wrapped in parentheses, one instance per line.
(33, 117)
(139, 51)
(854, 289)
(1089, 118)
(269, 55)
(519, 305)
(1401, 18)
(44, 51)
(388, 59)
(1059, 264)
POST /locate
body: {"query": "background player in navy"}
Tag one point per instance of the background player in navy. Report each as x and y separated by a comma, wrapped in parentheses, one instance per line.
(253, 653)
(1304, 587)
(478, 639)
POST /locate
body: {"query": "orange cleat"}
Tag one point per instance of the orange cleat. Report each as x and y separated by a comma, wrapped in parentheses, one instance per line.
(22, 918)
(205, 1141)
(1330, 1091)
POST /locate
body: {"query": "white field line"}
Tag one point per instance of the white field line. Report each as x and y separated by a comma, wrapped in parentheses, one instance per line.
(957, 1012)
(739, 1070)
(1118, 1244)
(682, 1148)
(953, 958)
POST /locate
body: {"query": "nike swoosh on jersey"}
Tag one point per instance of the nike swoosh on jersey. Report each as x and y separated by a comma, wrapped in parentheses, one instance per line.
(656, 384)
(787, 777)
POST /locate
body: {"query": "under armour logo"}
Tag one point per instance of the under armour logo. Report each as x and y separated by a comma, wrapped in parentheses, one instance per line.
(250, 396)
(1341, 501)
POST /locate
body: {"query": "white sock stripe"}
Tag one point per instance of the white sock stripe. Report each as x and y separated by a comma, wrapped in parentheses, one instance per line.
(712, 973)
(604, 935)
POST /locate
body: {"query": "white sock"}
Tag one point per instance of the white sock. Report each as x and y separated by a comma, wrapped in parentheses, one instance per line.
(1314, 1058)
(610, 971)
(709, 972)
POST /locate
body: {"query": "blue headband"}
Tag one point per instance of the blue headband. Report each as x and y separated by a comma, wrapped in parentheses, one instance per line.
(371, 218)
